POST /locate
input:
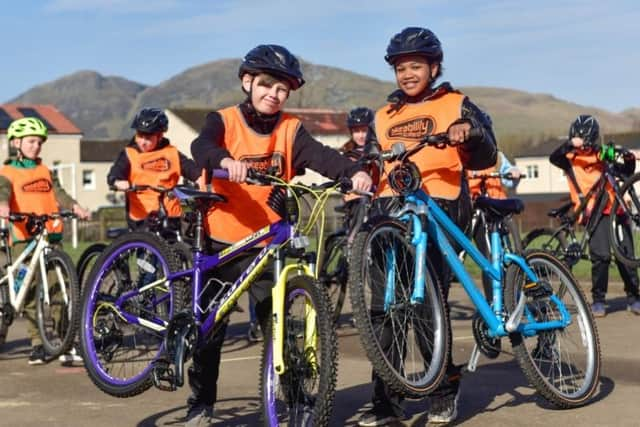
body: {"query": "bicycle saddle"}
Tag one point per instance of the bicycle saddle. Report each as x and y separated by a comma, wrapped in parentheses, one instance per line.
(561, 211)
(185, 193)
(499, 207)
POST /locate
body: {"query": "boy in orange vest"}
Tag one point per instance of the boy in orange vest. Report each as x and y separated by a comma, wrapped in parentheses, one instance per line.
(254, 134)
(415, 110)
(580, 161)
(27, 135)
(150, 159)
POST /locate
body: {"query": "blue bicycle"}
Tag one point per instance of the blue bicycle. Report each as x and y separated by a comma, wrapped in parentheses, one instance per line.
(145, 313)
(400, 310)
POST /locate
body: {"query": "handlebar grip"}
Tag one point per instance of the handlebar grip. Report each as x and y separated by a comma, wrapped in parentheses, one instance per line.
(220, 174)
(475, 133)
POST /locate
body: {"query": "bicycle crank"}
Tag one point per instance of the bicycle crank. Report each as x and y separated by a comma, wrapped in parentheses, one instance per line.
(488, 346)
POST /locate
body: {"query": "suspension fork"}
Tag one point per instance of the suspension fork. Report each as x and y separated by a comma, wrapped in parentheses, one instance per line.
(278, 297)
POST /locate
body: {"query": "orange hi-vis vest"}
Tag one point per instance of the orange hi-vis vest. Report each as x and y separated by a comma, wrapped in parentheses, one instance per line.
(441, 169)
(31, 192)
(246, 210)
(493, 186)
(587, 168)
(159, 168)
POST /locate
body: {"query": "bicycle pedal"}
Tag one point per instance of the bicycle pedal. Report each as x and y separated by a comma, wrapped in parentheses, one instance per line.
(163, 376)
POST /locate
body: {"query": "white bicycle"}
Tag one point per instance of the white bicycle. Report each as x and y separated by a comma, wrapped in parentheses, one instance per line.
(48, 271)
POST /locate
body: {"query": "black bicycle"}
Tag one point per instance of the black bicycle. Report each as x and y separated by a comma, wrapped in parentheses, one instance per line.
(624, 218)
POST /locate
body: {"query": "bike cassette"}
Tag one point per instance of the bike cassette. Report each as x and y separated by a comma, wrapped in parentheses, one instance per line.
(538, 290)
(488, 346)
(572, 254)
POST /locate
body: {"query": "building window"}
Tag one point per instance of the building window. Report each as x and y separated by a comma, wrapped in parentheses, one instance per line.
(56, 172)
(88, 179)
(532, 171)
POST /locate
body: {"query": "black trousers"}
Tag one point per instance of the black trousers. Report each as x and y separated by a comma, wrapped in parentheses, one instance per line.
(204, 372)
(600, 253)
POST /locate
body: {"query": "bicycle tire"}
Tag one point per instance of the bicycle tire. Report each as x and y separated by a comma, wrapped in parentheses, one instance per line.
(421, 326)
(5, 303)
(553, 361)
(334, 273)
(624, 225)
(285, 398)
(548, 240)
(86, 261)
(123, 267)
(58, 320)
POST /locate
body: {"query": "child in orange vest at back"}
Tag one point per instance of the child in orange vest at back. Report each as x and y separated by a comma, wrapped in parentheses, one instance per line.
(27, 186)
(150, 159)
(579, 159)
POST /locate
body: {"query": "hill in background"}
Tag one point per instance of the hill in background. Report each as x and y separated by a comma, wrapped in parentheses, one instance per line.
(103, 106)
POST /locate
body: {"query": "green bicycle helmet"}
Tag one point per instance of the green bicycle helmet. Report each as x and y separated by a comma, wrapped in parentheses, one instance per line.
(27, 126)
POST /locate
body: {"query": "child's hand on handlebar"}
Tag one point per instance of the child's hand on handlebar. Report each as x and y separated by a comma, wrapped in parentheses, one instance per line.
(121, 184)
(81, 212)
(361, 181)
(459, 133)
(4, 209)
(237, 169)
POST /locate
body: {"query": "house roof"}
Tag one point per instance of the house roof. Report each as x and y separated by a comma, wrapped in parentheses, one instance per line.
(101, 150)
(56, 121)
(316, 121)
(630, 140)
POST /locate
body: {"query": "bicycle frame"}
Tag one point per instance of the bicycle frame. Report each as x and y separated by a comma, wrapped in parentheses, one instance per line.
(420, 207)
(36, 249)
(280, 232)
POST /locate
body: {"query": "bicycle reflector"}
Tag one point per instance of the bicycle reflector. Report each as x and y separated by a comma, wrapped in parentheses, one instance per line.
(405, 178)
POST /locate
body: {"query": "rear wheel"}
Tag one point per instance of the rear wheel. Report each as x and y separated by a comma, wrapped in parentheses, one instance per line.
(303, 394)
(552, 241)
(406, 341)
(58, 317)
(625, 224)
(86, 261)
(563, 364)
(127, 305)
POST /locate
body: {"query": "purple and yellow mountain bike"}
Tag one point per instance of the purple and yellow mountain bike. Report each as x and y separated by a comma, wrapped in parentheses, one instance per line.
(144, 316)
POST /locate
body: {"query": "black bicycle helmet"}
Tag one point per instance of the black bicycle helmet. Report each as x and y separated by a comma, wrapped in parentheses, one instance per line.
(150, 120)
(587, 128)
(360, 116)
(275, 60)
(417, 41)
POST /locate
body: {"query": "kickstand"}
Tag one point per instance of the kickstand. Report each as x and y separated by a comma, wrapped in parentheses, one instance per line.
(473, 360)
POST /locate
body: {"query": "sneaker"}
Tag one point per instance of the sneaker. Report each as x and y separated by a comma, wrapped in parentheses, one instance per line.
(634, 307)
(199, 416)
(598, 310)
(377, 417)
(254, 334)
(70, 357)
(38, 356)
(444, 409)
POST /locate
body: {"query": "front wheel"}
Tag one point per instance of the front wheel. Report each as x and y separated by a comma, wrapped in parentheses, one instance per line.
(624, 223)
(58, 304)
(6, 311)
(127, 304)
(303, 394)
(563, 364)
(406, 339)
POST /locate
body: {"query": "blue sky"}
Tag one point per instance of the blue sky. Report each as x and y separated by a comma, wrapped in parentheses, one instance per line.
(587, 52)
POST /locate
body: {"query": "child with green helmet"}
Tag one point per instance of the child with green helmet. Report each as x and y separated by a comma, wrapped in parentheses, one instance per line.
(26, 185)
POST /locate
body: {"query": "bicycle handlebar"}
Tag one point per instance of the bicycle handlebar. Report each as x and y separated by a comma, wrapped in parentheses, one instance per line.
(21, 216)
(399, 150)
